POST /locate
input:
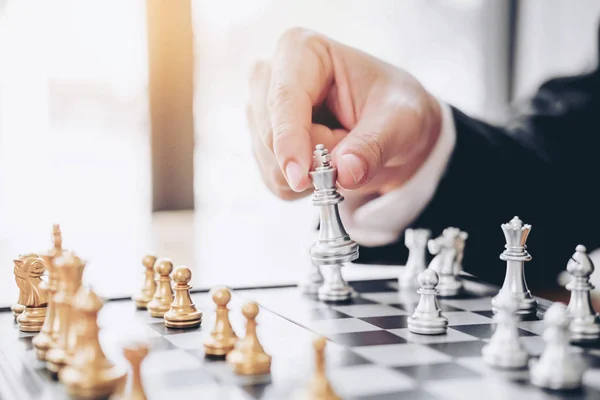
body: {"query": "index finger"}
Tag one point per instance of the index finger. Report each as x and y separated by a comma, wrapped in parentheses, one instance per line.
(301, 75)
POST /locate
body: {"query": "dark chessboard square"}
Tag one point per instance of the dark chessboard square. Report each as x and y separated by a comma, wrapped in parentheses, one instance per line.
(160, 343)
(181, 378)
(160, 327)
(370, 338)
(486, 313)
(485, 331)
(411, 307)
(351, 301)
(372, 286)
(325, 313)
(406, 395)
(341, 357)
(388, 322)
(459, 349)
(256, 391)
(437, 371)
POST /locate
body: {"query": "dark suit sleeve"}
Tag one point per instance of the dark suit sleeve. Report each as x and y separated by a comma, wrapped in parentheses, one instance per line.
(542, 166)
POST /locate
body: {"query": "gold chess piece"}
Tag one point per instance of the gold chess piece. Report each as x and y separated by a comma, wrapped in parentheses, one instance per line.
(163, 297)
(132, 387)
(89, 374)
(248, 356)
(17, 309)
(222, 338)
(149, 287)
(183, 313)
(70, 273)
(45, 339)
(28, 270)
(319, 387)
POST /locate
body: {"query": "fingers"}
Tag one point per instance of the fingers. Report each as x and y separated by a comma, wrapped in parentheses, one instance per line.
(301, 74)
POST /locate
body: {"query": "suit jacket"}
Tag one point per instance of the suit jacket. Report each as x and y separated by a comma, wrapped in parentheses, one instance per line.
(543, 166)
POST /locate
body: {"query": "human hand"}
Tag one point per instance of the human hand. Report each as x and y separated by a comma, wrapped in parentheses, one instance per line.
(378, 121)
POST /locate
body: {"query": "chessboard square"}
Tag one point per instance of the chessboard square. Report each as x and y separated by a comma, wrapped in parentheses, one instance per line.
(369, 338)
(320, 314)
(477, 364)
(187, 377)
(534, 345)
(161, 362)
(159, 343)
(398, 355)
(369, 310)
(415, 394)
(187, 341)
(373, 286)
(355, 300)
(536, 327)
(384, 297)
(466, 318)
(459, 349)
(342, 325)
(450, 336)
(368, 380)
(476, 304)
(484, 331)
(162, 329)
(437, 371)
(477, 388)
(390, 322)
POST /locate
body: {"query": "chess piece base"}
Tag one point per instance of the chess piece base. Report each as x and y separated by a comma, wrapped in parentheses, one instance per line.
(557, 379)
(42, 343)
(32, 319)
(17, 309)
(335, 251)
(584, 331)
(212, 347)
(311, 288)
(433, 326)
(449, 286)
(526, 303)
(328, 293)
(157, 309)
(504, 358)
(141, 302)
(258, 364)
(178, 321)
(101, 383)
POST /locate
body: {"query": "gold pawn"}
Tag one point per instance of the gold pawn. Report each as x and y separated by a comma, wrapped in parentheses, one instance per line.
(319, 387)
(163, 297)
(89, 373)
(28, 271)
(183, 313)
(47, 336)
(70, 270)
(248, 356)
(131, 387)
(149, 287)
(222, 338)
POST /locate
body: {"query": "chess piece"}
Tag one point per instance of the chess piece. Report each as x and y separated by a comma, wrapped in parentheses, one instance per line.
(504, 349)
(333, 247)
(319, 387)
(515, 255)
(446, 248)
(17, 309)
(222, 337)
(459, 248)
(248, 356)
(416, 242)
(558, 368)
(89, 374)
(149, 287)
(163, 297)
(45, 339)
(584, 325)
(427, 319)
(313, 281)
(70, 274)
(183, 313)
(28, 271)
(132, 387)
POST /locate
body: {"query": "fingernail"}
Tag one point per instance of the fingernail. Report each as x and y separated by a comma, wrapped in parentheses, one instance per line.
(293, 174)
(354, 165)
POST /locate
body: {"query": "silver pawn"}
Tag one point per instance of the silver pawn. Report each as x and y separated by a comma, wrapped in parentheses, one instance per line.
(313, 280)
(558, 368)
(584, 325)
(504, 349)
(515, 255)
(445, 248)
(416, 242)
(333, 247)
(427, 319)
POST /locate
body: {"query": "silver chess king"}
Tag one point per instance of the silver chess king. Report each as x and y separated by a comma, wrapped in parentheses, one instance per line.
(515, 255)
(333, 247)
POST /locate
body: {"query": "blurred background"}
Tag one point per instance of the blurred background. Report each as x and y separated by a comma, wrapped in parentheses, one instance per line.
(124, 121)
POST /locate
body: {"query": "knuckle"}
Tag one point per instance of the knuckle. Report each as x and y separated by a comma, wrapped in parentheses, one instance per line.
(374, 149)
(279, 94)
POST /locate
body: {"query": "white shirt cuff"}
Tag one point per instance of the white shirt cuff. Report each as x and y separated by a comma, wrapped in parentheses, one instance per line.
(380, 221)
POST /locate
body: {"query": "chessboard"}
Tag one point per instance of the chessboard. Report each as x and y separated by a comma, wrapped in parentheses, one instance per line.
(370, 353)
